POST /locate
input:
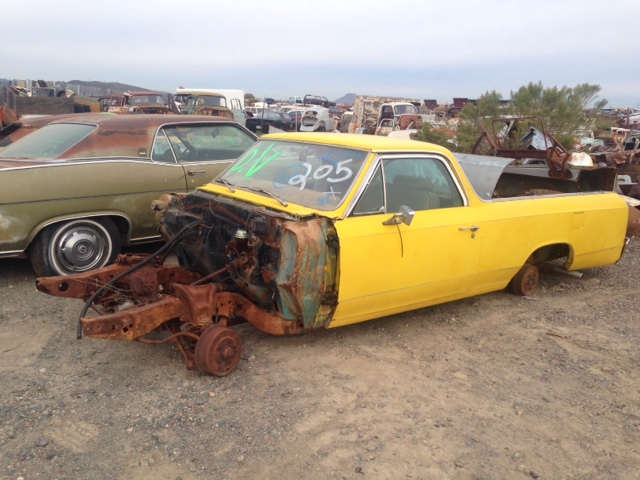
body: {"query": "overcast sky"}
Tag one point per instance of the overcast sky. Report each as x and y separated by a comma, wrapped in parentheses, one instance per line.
(425, 49)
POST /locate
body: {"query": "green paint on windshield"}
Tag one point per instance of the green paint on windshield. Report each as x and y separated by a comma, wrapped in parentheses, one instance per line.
(258, 163)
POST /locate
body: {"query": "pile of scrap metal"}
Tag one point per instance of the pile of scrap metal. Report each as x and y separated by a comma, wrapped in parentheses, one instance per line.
(18, 103)
(533, 162)
(622, 152)
(381, 115)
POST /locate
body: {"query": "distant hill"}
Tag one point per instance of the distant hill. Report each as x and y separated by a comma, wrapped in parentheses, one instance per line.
(106, 85)
(347, 99)
(80, 87)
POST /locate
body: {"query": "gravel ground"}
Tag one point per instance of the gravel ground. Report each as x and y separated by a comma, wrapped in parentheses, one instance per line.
(492, 387)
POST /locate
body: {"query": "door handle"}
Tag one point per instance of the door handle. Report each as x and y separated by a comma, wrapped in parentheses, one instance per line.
(195, 172)
(473, 229)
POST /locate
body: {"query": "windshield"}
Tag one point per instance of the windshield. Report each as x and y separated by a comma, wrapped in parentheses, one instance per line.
(315, 176)
(405, 109)
(48, 142)
(146, 100)
(207, 101)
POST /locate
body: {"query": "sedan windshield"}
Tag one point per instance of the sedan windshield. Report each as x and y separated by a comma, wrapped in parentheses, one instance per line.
(315, 176)
(49, 142)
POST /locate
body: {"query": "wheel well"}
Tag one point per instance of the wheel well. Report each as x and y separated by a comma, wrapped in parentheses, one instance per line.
(121, 223)
(123, 226)
(549, 253)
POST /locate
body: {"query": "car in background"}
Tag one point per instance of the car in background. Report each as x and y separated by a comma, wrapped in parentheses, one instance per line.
(317, 100)
(147, 102)
(207, 102)
(317, 119)
(265, 119)
(296, 116)
(234, 100)
(77, 189)
(136, 102)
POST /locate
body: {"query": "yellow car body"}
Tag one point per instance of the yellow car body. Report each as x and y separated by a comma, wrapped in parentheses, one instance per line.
(388, 269)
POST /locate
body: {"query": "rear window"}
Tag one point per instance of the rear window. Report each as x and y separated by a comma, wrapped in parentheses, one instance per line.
(48, 142)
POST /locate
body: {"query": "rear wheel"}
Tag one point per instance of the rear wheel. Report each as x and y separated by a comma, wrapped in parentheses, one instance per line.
(526, 280)
(75, 246)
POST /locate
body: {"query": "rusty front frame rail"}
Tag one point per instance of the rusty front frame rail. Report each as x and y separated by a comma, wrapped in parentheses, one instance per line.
(155, 297)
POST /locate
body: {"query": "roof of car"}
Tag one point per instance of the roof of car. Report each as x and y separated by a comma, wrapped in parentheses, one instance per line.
(196, 91)
(125, 135)
(144, 120)
(143, 92)
(374, 143)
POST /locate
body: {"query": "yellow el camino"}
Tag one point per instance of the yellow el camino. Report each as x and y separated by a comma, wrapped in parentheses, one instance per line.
(306, 231)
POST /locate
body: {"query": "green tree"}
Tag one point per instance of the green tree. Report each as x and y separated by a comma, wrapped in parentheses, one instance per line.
(249, 99)
(561, 108)
(489, 105)
(436, 135)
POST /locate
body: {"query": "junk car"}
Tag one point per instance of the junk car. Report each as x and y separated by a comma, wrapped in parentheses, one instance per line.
(317, 119)
(265, 119)
(76, 189)
(317, 230)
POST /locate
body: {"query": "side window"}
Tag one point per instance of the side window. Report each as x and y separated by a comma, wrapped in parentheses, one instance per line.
(372, 200)
(201, 143)
(419, 183)
(161, 150)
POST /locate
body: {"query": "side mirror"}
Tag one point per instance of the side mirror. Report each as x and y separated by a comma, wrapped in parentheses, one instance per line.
(405, 215)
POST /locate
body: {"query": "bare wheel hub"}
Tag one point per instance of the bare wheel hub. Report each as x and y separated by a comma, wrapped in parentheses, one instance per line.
(218, 350)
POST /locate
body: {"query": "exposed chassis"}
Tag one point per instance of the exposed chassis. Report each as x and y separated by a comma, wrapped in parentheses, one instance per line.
(195, 315)
(267, 269)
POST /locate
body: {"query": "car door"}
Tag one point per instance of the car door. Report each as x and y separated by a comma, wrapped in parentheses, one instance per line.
(203, 150)
(183, 157)
(387, 266)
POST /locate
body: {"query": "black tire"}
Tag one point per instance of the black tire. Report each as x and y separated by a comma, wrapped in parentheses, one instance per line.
(526, 281)
(75, 246)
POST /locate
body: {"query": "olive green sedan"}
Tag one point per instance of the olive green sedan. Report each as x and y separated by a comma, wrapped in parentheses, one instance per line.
(76, 190)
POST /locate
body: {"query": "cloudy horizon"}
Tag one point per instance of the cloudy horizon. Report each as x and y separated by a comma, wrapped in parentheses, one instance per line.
(422, 49)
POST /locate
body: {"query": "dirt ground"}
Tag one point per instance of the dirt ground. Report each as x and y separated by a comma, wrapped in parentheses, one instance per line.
(492, 387)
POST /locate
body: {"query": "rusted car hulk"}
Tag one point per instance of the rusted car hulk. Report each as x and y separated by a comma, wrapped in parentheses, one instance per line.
(516, 137)
(313, 230)
(181, 301)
